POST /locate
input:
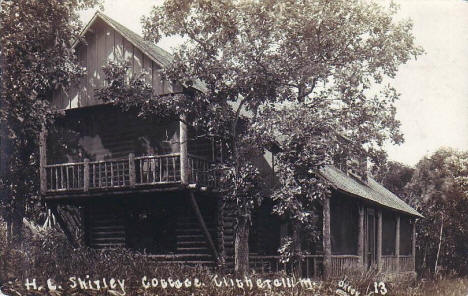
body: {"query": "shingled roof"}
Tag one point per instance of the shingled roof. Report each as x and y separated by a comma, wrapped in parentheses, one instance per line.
(155, 53)
(370, 190)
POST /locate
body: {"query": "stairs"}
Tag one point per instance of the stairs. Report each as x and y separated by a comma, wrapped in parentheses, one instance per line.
(106, 228)
(192, 247)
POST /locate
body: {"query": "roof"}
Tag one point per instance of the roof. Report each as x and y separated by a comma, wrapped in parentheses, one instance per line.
(371, 190)
(155, 53)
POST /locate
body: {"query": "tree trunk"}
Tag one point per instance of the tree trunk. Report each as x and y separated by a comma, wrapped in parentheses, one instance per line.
(241, 246)
(440, 244)
(326, 238)
(17, 220)
(297, 249)
(9, 235)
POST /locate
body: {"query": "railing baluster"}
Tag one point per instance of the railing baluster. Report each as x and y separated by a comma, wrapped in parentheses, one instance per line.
(106, 176)
(160, 169)
(68, 177)
(116, 174)
(121, 174)
(167, 169)
(112, 174)
(51, 177)
(154, 170)
(77, 176)
(175, 169)
(94, 175)
(142, 163)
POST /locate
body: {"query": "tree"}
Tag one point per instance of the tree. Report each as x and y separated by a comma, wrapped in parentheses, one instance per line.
(37, 59)
(394, 176)
(439, 191)
(303, 70)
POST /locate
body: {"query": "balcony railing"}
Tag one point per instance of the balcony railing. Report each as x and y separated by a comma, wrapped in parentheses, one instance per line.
(127, 172)
(310, 266)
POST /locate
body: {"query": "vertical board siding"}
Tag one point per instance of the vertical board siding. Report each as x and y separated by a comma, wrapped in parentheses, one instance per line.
(157, 82)
(92, 67)
(128, 54)
(147, 67)
(137, 61)
(101, 53)
(118, 47)
(104, 44)
(83, 85)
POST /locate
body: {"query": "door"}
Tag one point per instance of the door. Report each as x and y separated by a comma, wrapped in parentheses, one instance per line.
(371, 244)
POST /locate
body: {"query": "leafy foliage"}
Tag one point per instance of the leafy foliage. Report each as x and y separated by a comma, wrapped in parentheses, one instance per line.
(303, 74)
(394, 176)
(439, 191)
(37, 59)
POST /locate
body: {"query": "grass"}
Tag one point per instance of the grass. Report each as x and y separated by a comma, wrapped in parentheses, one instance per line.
(51, 257)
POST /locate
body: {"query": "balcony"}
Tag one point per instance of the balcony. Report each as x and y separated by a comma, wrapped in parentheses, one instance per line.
(127, 173)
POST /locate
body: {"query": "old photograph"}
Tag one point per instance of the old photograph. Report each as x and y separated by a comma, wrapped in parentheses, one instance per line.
(233, 147)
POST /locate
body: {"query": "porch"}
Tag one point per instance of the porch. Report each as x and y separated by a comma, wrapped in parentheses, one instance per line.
(312, 266)
(125, 173)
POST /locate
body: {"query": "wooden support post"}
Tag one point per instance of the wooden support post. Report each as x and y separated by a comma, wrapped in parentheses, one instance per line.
(86, 175)
(63, 225)
(220, 228)
(379, 240)
(43, 159)
(413, 251)
(207, 234)
(131, 170)
(397, 244)
(326, 239)
(183, 138)
(360, 242)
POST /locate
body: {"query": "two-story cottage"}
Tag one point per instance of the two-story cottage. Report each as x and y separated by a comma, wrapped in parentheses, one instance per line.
(115, 180)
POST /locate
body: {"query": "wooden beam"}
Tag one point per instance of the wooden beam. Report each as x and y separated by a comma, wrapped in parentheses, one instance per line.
(63, 225)
(397, 244)
(379, 239)
(360, 242)
(183, 137)
(326, 238)
(207, 234)
(43, 159)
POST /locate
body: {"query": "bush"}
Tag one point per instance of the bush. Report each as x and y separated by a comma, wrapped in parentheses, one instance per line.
(50, 256)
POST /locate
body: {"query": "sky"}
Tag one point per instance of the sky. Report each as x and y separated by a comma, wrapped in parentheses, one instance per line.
(433, 106)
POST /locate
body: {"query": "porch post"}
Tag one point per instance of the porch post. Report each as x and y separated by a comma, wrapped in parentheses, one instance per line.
(326, 238)
(86, 175)
(360, 248)
(43, 159)
(413, 251)
(379, 240)
(397, 244)
(184, 177)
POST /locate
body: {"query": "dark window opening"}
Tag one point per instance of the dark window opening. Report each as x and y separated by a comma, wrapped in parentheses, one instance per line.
(344, 220)
(264, 235)
(388, 233)
(406, 236)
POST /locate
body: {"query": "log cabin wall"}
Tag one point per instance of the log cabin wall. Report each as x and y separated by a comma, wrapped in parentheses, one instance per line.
(102, 44)
(155, 223)
(105, 132)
